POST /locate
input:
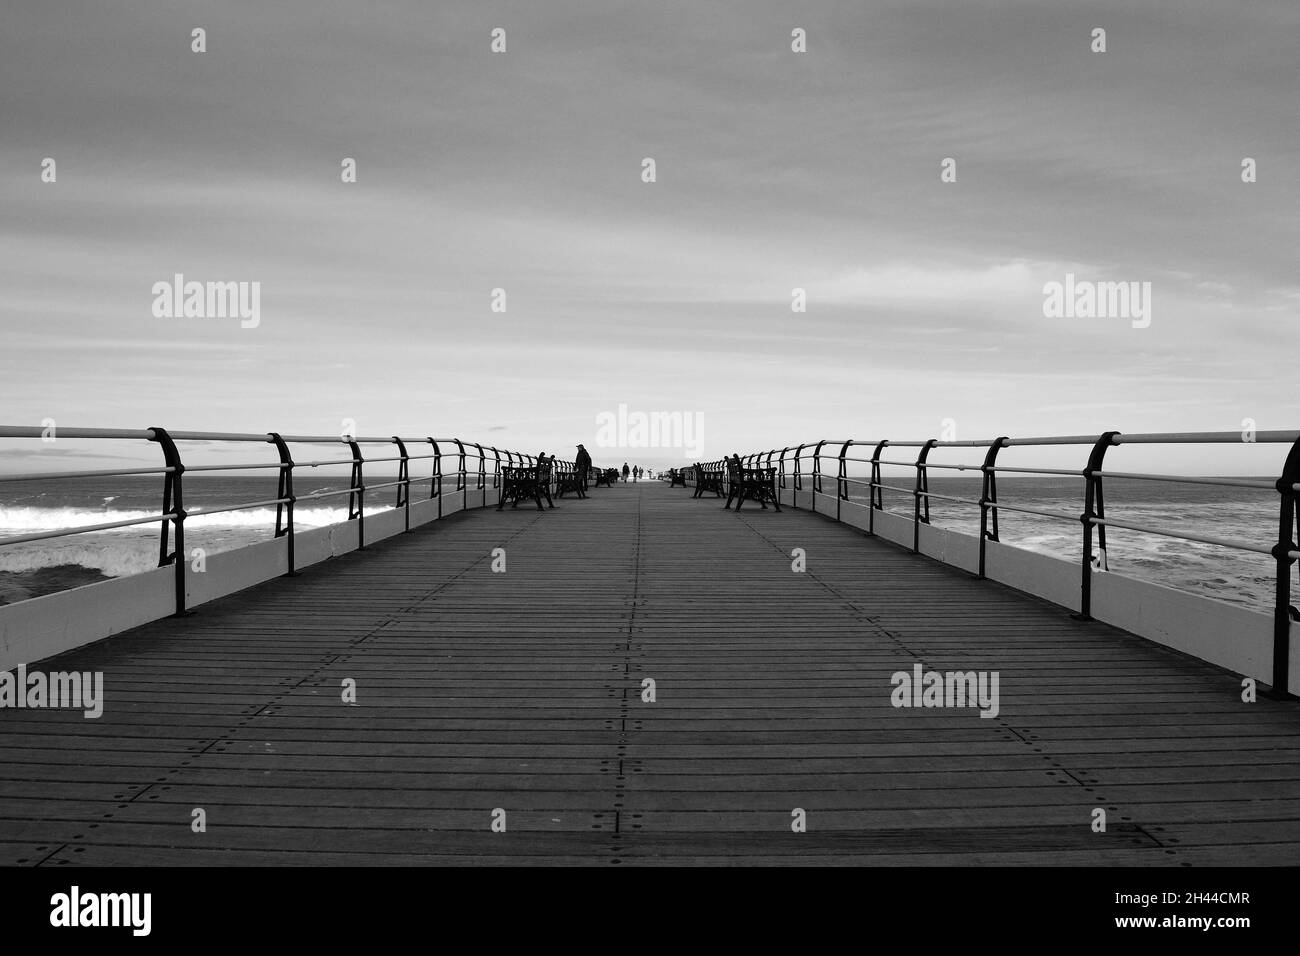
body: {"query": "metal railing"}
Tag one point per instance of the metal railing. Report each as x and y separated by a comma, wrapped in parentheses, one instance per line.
(1284, 550)
(173, 514)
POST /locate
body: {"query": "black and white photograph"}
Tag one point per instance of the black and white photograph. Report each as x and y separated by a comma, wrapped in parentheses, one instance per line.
(539, 438)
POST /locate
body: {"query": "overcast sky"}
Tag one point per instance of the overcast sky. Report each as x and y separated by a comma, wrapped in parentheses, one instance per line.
(522, 170)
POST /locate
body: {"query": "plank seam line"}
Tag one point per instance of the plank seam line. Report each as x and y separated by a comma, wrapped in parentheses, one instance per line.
(49, 856)
(620, 787)
(849, 602)
(448, 582)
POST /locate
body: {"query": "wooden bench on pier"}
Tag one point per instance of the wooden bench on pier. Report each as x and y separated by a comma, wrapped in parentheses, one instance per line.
(709, 477)
(529, 481)
(567, 478)
(756, 484)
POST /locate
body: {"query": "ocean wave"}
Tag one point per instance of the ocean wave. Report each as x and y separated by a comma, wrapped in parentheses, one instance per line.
(115, 559)
(118, 552)
(27, 520)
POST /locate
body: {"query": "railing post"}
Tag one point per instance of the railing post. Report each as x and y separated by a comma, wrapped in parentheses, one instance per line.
(496, 467)
(1284, 612)
(817, 472)
(798, 476)
(482, 473)
(1093, 507)
(461, 476)
(989, 497)
(922, 485)
(435, 486)
(174, 504)
(357, 490)
(510, 463)
(781, 468)
(404, 479)
(842, 480)
(768, 464)
(284, 509)
(877, 493)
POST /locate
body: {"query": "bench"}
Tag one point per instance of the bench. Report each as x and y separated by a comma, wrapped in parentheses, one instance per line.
(709, 477)
(530, 481)
(568, 479)
(606, 477)
(677, 476)
(756, 484)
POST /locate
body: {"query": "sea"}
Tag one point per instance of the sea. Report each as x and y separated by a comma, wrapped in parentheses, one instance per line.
(31, 569)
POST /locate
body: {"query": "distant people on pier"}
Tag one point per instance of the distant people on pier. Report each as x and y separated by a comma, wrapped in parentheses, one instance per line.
(626, 471)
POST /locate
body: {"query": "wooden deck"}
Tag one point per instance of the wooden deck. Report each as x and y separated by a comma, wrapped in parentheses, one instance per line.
(522, 691)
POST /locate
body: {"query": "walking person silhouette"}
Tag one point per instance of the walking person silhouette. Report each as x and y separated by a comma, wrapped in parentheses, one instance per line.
(582, 464)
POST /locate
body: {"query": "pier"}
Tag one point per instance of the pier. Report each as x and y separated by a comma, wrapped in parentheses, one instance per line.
(504, 717)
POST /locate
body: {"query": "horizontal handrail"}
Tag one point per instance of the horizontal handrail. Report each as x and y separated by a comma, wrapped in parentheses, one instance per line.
(1183, 535)
(107, 473)
(933, 494)
(1205, 438)
(1187, 480)
(36, 431)
(200, 512)
(877, 484)
(1024, 509)
(147, 434)
(315, 495)
(1067, 472)
(263, 464)
(328, 461)
(82, 529)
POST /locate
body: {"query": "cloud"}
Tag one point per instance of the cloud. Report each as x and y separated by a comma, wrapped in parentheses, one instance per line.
(926, 284)
(776, 171)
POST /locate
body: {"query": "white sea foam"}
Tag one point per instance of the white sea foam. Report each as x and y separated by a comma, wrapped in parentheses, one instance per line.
(27, 520)
(132, 549)
(116, 558)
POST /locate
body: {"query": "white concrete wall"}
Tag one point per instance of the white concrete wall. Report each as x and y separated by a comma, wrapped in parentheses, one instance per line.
(894, 527)
(1236, 638)
(231, 571)
(951, 547)
(1054, 579)
(35, 629)
(42, 627)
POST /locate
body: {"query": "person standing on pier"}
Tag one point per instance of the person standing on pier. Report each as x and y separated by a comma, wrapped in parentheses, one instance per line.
(626, 471)
(582, 462)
